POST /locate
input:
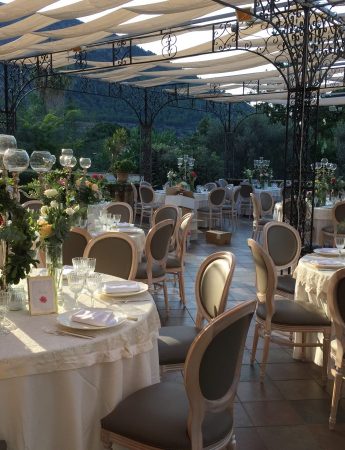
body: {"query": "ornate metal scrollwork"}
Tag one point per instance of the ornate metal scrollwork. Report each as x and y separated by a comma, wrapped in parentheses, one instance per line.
(80, 59)
(122, 52)
(169, 47)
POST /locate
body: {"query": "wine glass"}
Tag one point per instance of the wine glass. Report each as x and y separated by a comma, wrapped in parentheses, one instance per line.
(90, 266)
(4, 301)
(93, 283)
(79, 264)
(339, 243)
(76, 283)
(117, 219)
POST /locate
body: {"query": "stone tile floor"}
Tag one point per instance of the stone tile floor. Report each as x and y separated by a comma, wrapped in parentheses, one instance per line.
(290, 410)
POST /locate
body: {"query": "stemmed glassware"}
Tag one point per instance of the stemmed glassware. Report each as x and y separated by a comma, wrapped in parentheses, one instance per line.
(339, 243)
(93, 283)
(117, 219)
(76, 283)
(4, 301)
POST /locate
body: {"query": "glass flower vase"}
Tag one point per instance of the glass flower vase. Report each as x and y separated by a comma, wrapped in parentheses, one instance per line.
(54, 264)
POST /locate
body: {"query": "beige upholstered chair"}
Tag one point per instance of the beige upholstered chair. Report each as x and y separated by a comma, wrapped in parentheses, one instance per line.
(198, 415)
(222, 182)
(74, 245)
(145, 183)
(147, 200)
(122, 208)
(258, 221)
(211, 292)
(153, 269)
(283, 243)
(245, 203)
(338, 215)
(34, 205)
(276, 316)
(336, 305)
(210, 186)
(230, 207)
(267, 204)
(175, 262)
(214, 210)
(168, 212)
(115, 253)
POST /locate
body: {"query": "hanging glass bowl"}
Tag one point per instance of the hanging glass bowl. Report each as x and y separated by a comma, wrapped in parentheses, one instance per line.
(16, 160)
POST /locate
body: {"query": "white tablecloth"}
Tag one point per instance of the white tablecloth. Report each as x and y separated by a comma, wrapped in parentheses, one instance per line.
(274, 191)
(322, 218)
(55, 389)
(311, 286)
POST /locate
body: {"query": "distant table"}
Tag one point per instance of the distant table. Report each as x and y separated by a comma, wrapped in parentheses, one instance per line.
(54, 390)
(322, 218)
(311, 287)
(199, 200)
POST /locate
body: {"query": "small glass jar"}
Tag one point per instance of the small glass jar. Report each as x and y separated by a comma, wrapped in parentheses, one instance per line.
(17, 300)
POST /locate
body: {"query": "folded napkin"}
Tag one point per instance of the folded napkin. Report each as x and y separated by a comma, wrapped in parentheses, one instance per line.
(124, 224)
(114, 287)
(97, 317)
(66, 270)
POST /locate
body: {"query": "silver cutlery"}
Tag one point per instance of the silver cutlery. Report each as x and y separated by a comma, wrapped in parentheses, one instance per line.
(66, 333)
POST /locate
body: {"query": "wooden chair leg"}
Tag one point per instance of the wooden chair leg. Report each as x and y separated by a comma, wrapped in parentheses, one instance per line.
(325, 356)
(255, 343)
(181, 287)
(338, 381)
(267, 339)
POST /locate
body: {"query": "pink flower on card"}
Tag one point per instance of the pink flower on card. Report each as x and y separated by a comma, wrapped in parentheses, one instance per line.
(43, 299)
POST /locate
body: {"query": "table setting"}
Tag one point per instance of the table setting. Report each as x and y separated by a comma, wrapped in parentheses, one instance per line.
(312, 274)
(99, 346)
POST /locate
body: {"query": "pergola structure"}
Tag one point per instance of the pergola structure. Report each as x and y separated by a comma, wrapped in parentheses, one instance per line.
(288, 51)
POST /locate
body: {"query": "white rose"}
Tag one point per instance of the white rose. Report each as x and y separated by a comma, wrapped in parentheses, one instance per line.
(69, 211)
(54, 204)
(50, 193)
(44, 210)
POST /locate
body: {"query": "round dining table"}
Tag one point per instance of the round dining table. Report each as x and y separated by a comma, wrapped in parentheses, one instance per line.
(55, 388)
(312, 274)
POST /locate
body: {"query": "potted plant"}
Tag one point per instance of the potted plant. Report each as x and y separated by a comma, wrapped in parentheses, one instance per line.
(122, 168)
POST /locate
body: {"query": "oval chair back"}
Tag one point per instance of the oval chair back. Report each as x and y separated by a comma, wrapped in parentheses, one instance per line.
(122, 208)
(267, 203)
(115, 253)
(216, 197)
(212, 371)
(212, 285)
(147, 194)
(168, 212)
(283, 243)
(74, 245)
(210, 186)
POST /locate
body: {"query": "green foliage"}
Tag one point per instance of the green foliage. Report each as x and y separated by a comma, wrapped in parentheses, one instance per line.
(124, 165)
(19, 234)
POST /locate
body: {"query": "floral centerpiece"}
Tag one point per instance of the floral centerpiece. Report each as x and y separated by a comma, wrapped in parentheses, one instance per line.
(17, 237)
(87, 191)
(326, 183)
(262, 173)
(55, 221)
(192, 176)
(172, 177)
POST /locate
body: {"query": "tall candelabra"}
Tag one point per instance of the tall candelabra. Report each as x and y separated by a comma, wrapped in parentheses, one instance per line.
(185, 163)
(325, 168)
(261, 163)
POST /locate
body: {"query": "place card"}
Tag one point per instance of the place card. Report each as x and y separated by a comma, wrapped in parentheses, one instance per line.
(42, 295)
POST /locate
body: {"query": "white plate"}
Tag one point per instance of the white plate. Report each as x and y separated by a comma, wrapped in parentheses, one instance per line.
(334, 265)
(327, 251)
(142, 288)
(65, 319)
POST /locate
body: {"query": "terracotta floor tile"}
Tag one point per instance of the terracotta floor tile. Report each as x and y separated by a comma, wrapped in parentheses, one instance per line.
(272, 413)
